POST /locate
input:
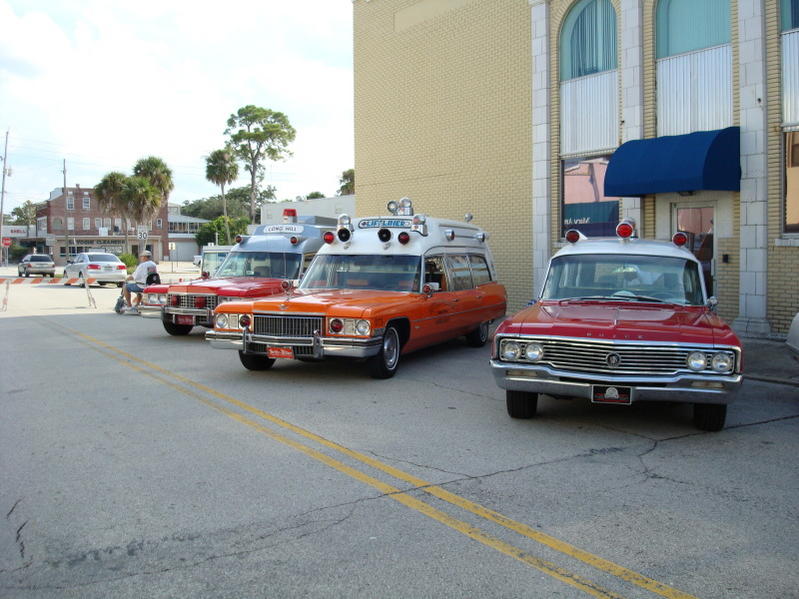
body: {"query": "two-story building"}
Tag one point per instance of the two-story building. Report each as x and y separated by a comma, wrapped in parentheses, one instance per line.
(542, 115)
(74, 222)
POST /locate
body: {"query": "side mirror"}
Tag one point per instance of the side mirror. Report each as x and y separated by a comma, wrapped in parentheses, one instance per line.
(429, 288)
(711, 303)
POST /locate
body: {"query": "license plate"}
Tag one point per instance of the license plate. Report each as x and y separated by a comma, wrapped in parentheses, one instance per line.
(184, 319)
(611, 394)
(108, 268)
(286, 353)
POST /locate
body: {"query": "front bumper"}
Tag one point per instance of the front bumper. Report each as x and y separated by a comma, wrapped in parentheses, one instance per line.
(312, 347)
(202, 318)
(682, 387)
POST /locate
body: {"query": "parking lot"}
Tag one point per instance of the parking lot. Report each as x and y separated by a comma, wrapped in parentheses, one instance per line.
(137, 464)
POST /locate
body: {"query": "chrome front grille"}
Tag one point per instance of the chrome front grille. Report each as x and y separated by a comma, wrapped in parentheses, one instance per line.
(286, 326)
(630, 358)
(187, 301)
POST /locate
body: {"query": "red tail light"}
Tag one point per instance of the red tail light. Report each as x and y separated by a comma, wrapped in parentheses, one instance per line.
(93, 267)
(199, 302)
(121, 267)
(403, 238)
(329, 237)
(572, 236)
(680, 238)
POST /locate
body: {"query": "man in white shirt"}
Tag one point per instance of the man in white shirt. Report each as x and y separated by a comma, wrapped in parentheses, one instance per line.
(138, 281)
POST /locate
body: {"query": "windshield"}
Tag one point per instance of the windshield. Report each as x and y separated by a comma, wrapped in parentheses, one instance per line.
(276, 265)
(212, 261)
(102, 258)
(621, 277)
(386, 273)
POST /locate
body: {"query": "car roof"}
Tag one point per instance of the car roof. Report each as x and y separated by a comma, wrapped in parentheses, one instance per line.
(631, 247)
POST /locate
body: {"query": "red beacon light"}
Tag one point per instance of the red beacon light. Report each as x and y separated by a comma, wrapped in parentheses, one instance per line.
(329, 237)
(403, 237)
(625, 229)
(679, 239)
(572, 236)
(289, 215)
(294, 240)
(239, 238)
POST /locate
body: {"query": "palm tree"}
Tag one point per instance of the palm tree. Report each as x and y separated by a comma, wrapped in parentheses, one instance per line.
(110, 197)
(158, 173)
(142, 198)
(221, 168)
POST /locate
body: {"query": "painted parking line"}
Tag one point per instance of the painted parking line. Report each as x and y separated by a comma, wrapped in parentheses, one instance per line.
(488, 514)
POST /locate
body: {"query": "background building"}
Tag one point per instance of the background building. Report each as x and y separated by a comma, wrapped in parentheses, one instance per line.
(182, 231)
(76, 221)
(272, 212)
(521, 111)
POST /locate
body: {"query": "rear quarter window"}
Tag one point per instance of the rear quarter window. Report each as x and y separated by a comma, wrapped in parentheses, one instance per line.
(460, 271)
(480, 272)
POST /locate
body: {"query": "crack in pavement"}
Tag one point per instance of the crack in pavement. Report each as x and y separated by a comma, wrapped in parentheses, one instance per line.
(13, 507)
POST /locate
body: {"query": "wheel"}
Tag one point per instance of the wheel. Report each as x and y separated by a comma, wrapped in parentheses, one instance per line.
(384, 364)
(255, 362)
(479, 336)
(521, 404)
(119, 285)
(177, 330)
(709, 416)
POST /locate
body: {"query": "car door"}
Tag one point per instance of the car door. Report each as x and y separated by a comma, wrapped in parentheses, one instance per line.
(465, 315)
(435, 320)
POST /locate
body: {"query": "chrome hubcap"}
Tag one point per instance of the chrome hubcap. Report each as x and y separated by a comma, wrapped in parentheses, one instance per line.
(391, 349)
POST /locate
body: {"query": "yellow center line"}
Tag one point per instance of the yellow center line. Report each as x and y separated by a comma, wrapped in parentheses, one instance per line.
(523, 529)
(387, 490)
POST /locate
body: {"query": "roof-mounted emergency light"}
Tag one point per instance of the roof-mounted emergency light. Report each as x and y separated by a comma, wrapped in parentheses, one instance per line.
(419, 224)
(679, 239)
(449, 234)
(384, 235)
(625, 229)
(329, 237)
(481, 236)
(289, 215)
(573, 236)
(402, 208)
(240, 239)
(468, 217)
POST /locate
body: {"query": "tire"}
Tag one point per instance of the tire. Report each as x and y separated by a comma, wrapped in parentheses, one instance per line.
(479, 336)
(384, 364)
(521, 404)
(178, 330)
(255, 362)
(119, 285)
(710, 417)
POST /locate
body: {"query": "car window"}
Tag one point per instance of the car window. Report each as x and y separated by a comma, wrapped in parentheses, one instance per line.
(103, 258)
(436, 272)
(363, 271)
(480, 272)
(277, 265)
(460, 272)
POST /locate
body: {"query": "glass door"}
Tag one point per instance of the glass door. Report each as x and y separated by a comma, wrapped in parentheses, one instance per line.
(697, 222)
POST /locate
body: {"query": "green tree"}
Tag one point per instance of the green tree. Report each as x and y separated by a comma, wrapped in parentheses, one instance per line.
(238, 203)
(209, 232)
(143, 199)
(157, 173)
(257, 134)
(314, 195)
(221, 168)
(24, 214)
(110, 194)
(347, 183)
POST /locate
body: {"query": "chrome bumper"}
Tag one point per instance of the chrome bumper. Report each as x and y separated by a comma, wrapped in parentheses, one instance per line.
(680, 388)
(149, 311)
(322, 347)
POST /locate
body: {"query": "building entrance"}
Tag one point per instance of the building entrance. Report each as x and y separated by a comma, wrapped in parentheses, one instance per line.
(697, 222)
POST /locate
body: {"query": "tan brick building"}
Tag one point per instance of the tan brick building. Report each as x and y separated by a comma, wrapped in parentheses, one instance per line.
(516, 110)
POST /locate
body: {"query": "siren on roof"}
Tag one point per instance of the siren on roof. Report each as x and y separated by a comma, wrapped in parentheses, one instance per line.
(289, 215)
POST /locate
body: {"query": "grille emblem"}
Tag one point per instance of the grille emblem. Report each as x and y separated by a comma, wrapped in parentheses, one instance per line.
(282, 306)
(613, 360)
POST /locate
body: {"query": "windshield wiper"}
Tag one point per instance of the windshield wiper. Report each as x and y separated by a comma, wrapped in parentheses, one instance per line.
(615, 298)
(607, 298)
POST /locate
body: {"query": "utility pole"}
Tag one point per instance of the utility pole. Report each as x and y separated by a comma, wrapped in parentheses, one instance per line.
(66, 228)
(3, 249)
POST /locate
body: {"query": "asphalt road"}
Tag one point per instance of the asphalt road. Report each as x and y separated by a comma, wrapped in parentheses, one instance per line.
(134, 464)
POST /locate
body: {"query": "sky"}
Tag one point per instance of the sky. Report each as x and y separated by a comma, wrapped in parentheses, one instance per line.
(102, 83)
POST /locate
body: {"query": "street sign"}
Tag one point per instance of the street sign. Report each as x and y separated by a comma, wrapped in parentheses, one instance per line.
(142, 235)
(6, 242)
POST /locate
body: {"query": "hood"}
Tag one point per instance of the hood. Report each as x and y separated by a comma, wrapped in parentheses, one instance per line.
(350, 303)
(621, 321)
(233, 286)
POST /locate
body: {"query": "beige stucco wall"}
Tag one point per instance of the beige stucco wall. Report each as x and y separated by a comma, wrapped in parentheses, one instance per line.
(443, 115)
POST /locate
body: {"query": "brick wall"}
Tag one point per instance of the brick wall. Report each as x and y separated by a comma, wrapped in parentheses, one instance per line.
(442, 115)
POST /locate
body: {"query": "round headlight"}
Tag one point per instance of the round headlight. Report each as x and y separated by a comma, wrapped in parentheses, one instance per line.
(162, 299)
(362, 327)
(722, 362)
(511, 350)
(697, 361)
(533, 352)
(221, 321)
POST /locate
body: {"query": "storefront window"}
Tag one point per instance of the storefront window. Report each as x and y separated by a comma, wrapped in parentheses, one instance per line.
(584, 205)
(792, 182)
(789, 10)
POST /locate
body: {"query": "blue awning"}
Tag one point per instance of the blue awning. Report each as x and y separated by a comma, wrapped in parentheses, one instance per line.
(701, 160)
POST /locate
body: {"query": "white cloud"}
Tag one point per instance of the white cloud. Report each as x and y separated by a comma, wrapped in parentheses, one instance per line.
(103, 84)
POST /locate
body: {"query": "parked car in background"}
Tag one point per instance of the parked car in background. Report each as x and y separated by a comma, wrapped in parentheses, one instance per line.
(255, 267)
(36, 264)
(379, 288)
(621, 320)
(103, 267)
